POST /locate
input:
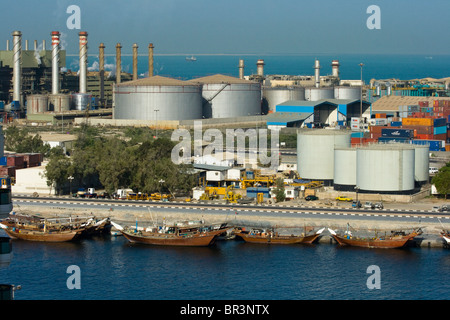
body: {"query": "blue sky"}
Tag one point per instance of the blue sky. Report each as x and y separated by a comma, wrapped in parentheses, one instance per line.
(237, 26)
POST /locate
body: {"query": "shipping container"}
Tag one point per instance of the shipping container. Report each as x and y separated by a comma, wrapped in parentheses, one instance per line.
(435, 145)
(420, 129)
(439, 122)
(397, 133)
(8, 171)
(3, 161)
(393, 140)
(380, 115)
(417, 121)
(14, 160)
(357, 134)
(442, 136)
(440, 130)
(422, 136)
(396, 124)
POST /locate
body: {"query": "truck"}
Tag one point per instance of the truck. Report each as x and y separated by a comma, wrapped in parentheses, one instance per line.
(121, 194)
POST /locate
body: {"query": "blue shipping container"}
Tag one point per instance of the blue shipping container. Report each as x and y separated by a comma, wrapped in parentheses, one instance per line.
(435, 145)
(357, 134)
(440, 130)
(439, 122)
(397, 133)
(396, 124)
(393, 140)
(3, 161)
(2, 105)
(253, 192)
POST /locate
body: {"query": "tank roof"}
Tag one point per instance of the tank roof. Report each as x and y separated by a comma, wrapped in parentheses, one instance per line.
(156, 81)
(220, 78)
(388, 146)
(324, 132)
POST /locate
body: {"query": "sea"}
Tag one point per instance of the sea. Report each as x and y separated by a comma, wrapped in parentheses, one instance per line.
(403, 67)
(111, 268)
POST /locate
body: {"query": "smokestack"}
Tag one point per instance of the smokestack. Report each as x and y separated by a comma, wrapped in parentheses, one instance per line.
(43, 45)
(17, 72)
(101, 58)
(55, 62)
(241, 69)
(35, 45)
(26, 45)
(150, 60)
(335, 68)
(83, 61)
(7, 45)
(135, 61)
(260, 67)
(118, 62)
(317, 73)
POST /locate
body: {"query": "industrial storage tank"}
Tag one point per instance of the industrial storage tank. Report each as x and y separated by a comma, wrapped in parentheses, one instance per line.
(315, 152)
(158, 98)
(350, 93)
(228, 97)
(81, 101)
(316, 94)
(422, 164)
(37, 103)
(385, 168)
(344, 169)
(59, 102)
(272, 96)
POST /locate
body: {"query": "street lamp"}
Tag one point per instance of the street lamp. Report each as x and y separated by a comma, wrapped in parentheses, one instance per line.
(361, 126)
(70, 181)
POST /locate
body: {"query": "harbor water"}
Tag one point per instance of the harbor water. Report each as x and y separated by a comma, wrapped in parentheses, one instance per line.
(111, 268)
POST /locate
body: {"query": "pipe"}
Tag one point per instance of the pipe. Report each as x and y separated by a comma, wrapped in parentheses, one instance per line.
(317, 73)
(150, 60)
(135, 61)
(55, 62)
(101, 59)
(118, 62)
(17, 72)
(83, 61)
(260, 67)
(241, 69)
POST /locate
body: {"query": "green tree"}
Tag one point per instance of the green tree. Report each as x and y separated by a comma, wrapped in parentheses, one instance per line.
(19, 140)
(279, 190)
(58, 169)
(442, 180)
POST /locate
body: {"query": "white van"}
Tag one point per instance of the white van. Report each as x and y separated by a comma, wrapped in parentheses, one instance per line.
(433, 170)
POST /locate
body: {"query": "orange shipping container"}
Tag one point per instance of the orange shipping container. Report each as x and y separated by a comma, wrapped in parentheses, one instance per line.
(380, 115)
(417, 121)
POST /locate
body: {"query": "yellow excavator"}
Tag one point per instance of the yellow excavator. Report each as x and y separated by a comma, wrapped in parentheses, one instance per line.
(231, 196)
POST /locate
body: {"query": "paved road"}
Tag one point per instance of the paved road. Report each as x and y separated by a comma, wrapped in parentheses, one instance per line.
(271, 211)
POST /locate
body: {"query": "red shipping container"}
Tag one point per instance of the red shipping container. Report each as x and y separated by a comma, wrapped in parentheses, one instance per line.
(442, 136)
(8, 171)
(425, 136)
(14, 160)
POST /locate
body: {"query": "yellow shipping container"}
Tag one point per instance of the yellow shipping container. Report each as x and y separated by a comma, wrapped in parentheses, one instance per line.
(417, 122)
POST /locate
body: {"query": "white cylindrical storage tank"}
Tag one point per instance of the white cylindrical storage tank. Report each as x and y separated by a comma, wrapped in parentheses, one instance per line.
(229, 97)
(315, 94)
(37, 103)
(81, 101)
(158, 98)
(59, 102)
(385, 168)
(344, 169)
(422, 164)
(276, 95)
(351, 93)
(315, 152)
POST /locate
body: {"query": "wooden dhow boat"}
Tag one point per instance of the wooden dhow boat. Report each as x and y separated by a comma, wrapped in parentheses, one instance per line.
(177, 235)
(33, 228)
(397, 239)
(269, 236)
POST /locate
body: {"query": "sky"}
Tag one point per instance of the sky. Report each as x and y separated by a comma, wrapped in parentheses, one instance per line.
(236, 26)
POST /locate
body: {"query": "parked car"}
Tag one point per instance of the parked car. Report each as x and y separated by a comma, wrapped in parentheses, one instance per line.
(311, 198)
(433, 170)
(341, 198)
(369, 205)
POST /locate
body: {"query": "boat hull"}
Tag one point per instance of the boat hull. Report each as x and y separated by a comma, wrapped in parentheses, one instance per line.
(277, 239)
(43, 236)
(374, 243)
(162, 239)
